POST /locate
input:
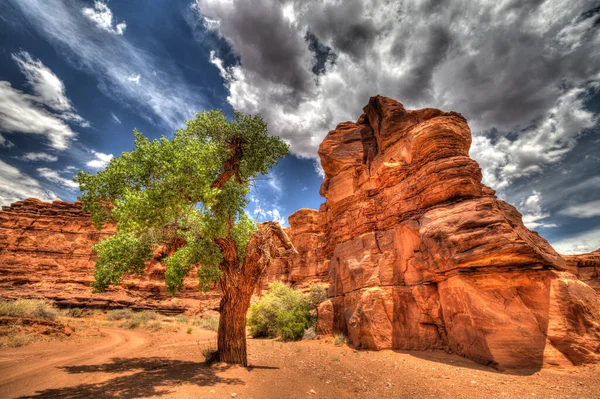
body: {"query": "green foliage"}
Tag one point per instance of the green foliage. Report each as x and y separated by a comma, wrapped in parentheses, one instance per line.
(162, 191)
(282, 312)
(181, 319)
(210, 323)
(33, 308)
(119, 314)
(189, 330)
(317, 294)
(118, 255)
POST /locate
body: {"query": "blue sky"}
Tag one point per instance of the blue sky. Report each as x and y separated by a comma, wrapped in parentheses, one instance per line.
(77, 76)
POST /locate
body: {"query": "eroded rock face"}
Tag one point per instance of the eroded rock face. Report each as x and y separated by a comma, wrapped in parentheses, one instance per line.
(588, 267)
(45, 252)
(422, 255)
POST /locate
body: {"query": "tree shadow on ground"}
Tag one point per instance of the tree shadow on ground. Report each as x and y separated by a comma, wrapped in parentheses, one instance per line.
(152, 376)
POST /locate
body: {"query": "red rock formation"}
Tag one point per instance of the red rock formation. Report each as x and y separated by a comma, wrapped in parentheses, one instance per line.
(307, 233)
(588, 267)
(422, 255)
(45, 252)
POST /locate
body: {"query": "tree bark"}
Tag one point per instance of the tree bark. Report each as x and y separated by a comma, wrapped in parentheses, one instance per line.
(232, 325)
(238, 283)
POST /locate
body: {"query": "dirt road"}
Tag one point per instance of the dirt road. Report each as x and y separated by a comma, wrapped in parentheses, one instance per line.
(139, 364)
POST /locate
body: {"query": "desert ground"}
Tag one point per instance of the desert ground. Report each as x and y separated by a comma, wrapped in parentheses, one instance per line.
(102, 360)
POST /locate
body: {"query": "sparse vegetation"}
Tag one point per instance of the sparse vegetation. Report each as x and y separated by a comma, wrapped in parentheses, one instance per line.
(189, 330)
(210, 353)
(19, 340)
(181, 319)
(340, 339)
(282, 312)
(317, 294)
(210, 323)
(154, 325)
(119, 314)
(139, 319)
(34, 308)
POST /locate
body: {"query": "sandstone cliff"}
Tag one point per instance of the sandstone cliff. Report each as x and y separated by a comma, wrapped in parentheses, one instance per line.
(422, 255)
(45, 252)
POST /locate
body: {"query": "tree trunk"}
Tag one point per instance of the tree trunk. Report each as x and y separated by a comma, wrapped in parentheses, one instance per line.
(232, 324)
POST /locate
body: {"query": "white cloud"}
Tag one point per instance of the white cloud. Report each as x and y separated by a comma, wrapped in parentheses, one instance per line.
(112, 60)
(533, 214)
(39, 156)
(16, 186)
(263, 215)
(55, 177)
(20, 113)
(586, 241)
(102, 17)
(4, 142)
(115, 118)
(134, 78)
(100, 160)
(48, 89)
(524, 75)
(538, 146)
(583, 211)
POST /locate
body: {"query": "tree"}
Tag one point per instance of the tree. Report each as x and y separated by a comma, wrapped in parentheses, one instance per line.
(188, 195)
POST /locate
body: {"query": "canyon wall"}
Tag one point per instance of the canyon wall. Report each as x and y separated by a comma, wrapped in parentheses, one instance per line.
(422, 255)
(45, 252)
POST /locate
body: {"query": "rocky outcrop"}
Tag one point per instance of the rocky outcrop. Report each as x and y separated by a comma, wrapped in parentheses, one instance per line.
(307, 232)
(422, 255)
(45, 252)
(587, 266)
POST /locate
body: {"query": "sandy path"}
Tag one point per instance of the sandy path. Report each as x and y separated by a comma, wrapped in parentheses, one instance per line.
(23, 371)
(168, 364)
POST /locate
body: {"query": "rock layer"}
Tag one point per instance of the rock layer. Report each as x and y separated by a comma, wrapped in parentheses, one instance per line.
(45, 252)
(422, 255)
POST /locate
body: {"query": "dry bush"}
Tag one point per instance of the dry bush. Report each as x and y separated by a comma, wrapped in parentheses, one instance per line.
(210, 323)
(33, 308)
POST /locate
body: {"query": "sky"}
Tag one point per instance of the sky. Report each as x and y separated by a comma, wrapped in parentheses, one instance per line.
(76, 77)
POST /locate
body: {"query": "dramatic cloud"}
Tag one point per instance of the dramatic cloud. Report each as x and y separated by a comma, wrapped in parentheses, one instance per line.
(533, 214)
(586, 241)
(102, 17)
(20, 113)
(39, 156)
(15, 186)
(115, 62)
(54, 176)
(583, 211)
(43, 112)
(519, 71)
(48, 89)
(100, 160)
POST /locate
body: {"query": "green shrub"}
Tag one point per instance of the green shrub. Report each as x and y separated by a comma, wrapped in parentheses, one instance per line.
(282, 312)
(119, 314)
(34, 308)
(210, 323)
(317, 293)
(189, 330)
